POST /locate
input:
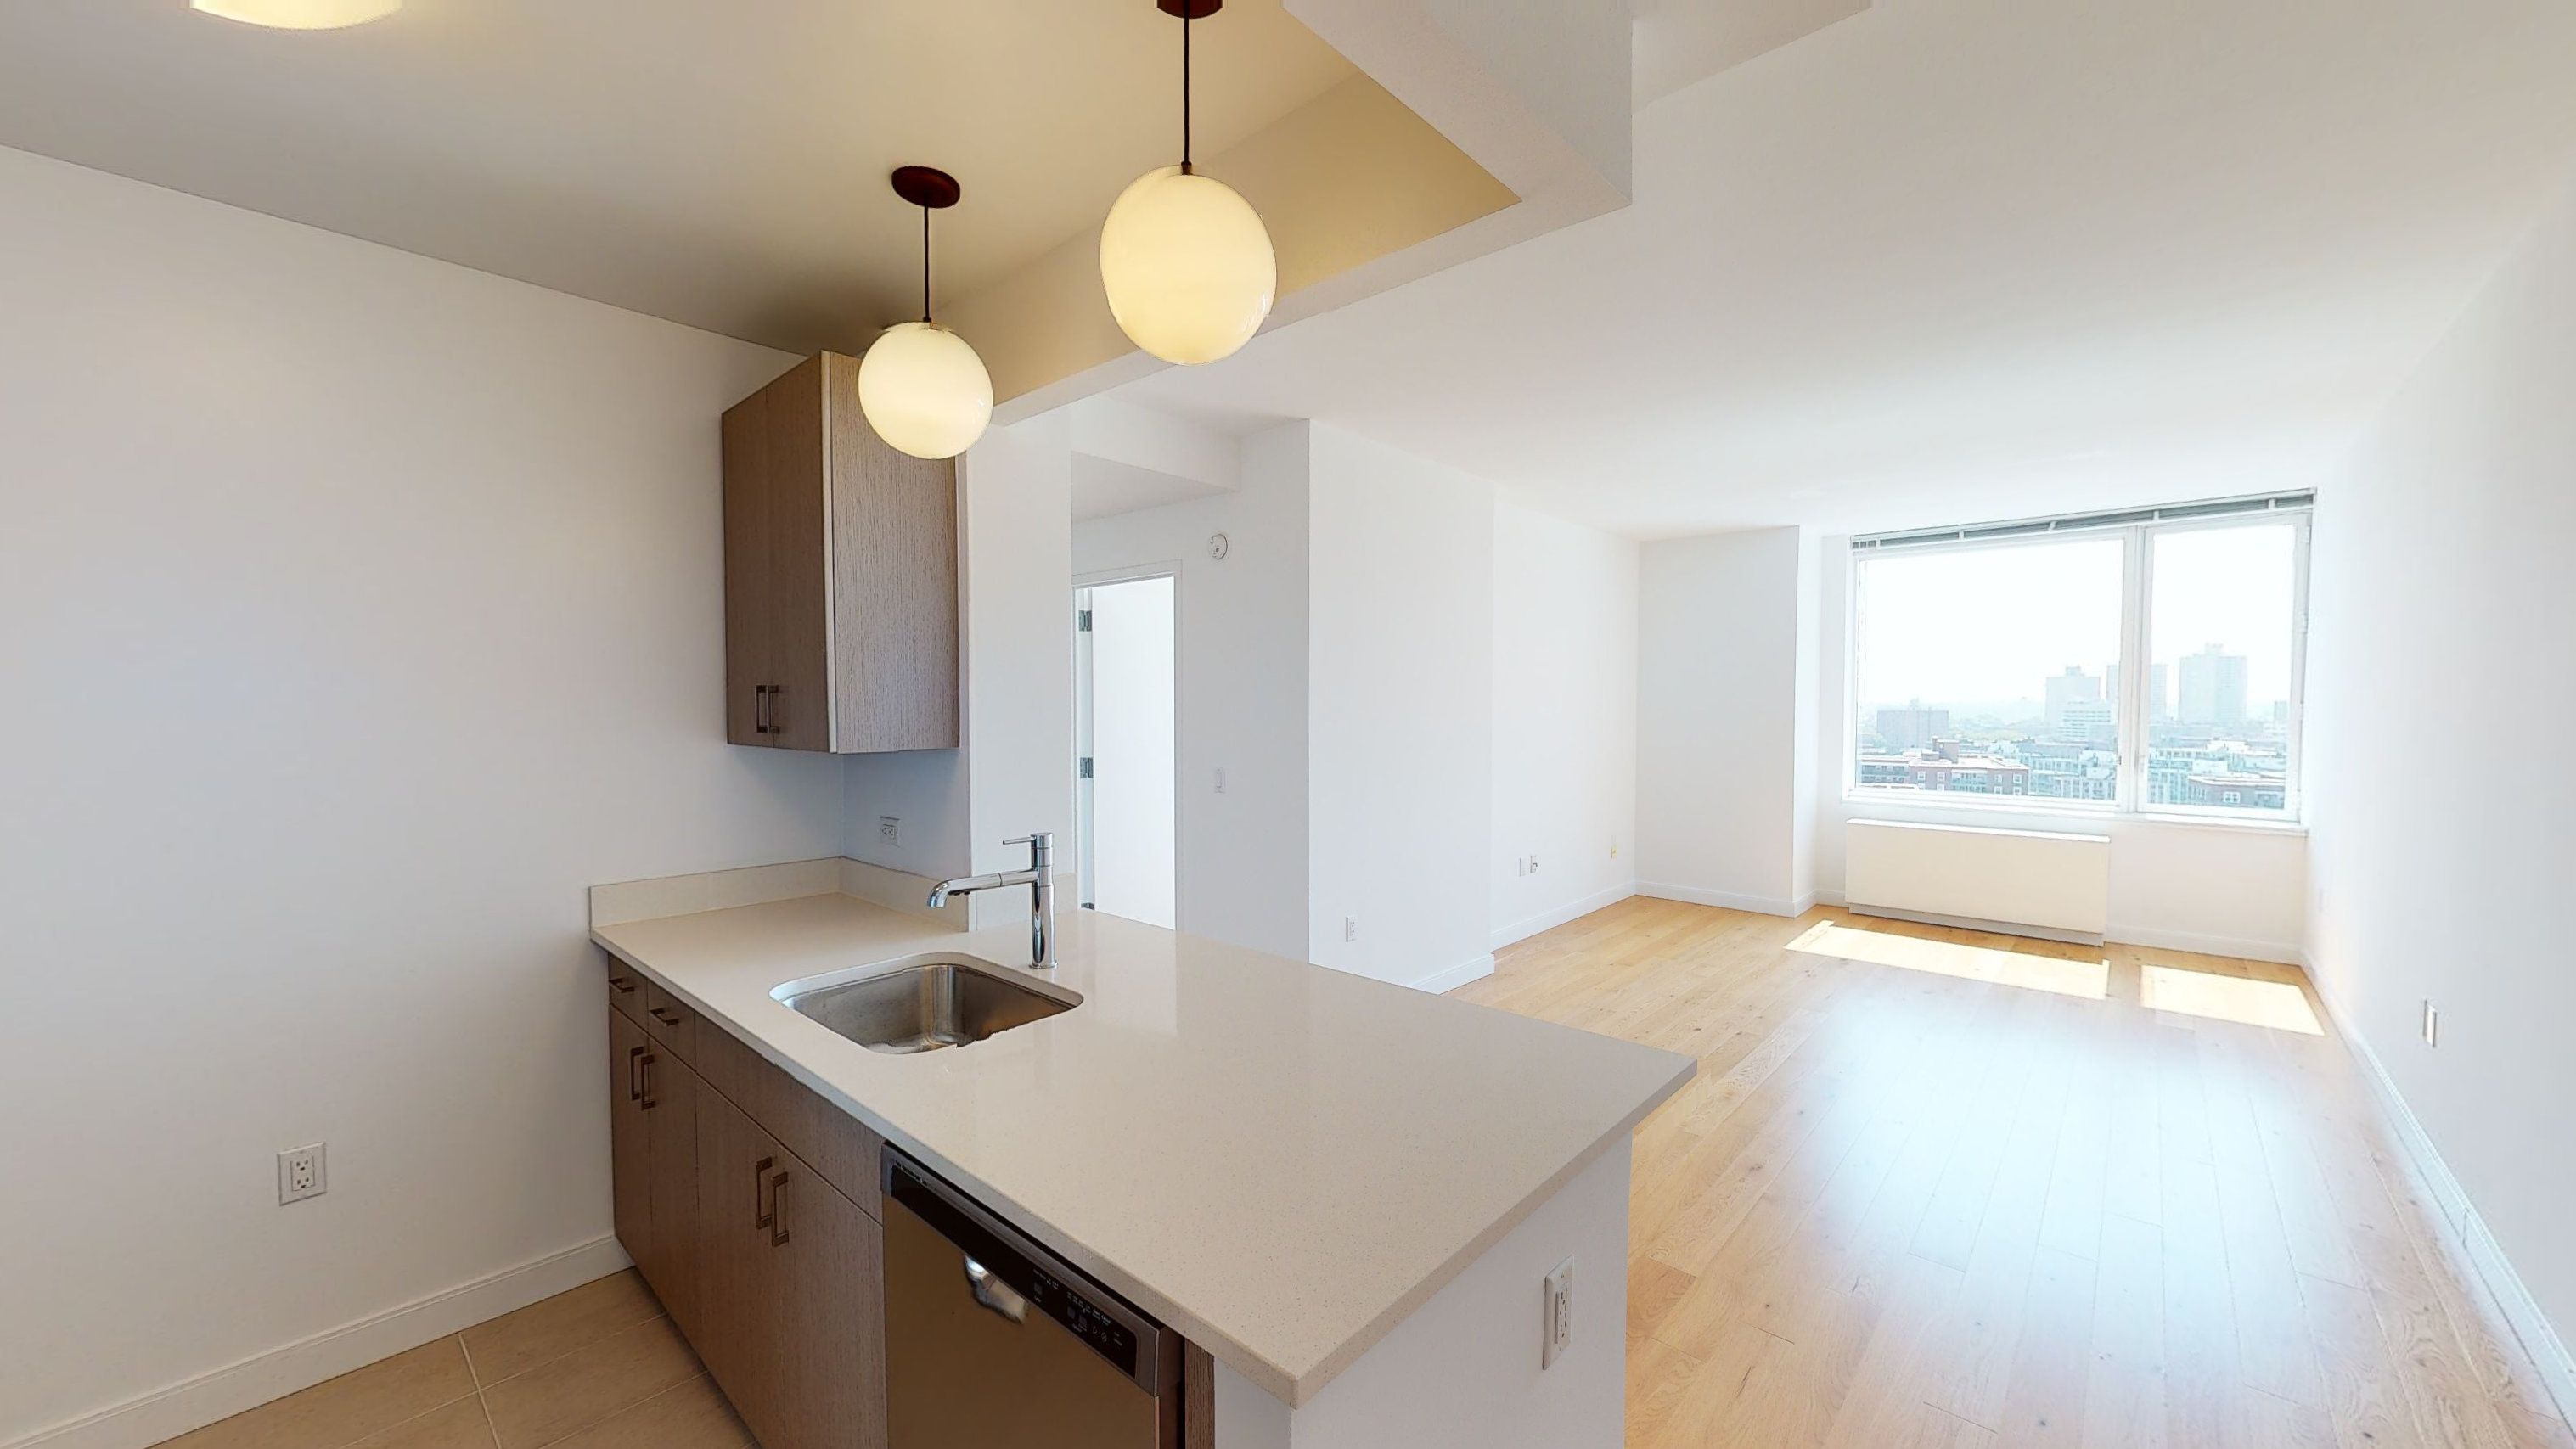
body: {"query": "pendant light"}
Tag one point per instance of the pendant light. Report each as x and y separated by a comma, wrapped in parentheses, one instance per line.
(924, 390)
(299, 14)
(1184, 258)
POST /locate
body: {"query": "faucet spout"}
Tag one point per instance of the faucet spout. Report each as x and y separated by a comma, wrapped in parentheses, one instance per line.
(1039, 877)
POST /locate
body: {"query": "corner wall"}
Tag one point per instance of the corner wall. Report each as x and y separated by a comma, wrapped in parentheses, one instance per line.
(1720, 748)
(362, 611)
(1400, 713)
(2442, 604)
(1565, 721)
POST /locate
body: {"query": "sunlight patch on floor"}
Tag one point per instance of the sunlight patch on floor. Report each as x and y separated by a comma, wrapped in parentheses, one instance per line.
(2276, 1004)
(2088, 979)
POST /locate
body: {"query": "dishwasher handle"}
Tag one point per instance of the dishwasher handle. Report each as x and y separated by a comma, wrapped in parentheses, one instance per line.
(993, 1293)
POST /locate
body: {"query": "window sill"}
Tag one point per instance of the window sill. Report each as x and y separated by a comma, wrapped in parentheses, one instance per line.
(1969, 810)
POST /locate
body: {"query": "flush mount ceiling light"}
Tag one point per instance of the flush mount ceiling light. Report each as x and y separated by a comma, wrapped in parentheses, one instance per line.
(924, 390)
(299, 14)
(1185, 260)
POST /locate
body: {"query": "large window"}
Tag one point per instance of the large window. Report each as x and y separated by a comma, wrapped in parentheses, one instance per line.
(2145, 661)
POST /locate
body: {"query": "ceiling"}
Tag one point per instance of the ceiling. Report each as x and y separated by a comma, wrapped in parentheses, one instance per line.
(721, 165)
(1958, 259)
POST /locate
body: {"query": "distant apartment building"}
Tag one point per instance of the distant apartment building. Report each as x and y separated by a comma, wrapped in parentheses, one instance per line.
(1964, 774)
(1912, 727)
(2061, 691)
(2094, 723)
(2213, 688)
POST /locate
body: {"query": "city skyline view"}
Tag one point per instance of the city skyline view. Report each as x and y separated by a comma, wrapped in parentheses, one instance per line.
(1998, 671)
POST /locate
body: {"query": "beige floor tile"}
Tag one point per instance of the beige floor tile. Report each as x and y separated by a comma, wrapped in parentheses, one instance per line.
(511, 1345)
(340, 1412)
(692, 1416)
(461, 1425)
(585, 1386)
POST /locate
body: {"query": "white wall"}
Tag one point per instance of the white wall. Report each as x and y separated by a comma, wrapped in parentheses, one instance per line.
(1719, 738)
(2229, 890)
(360, 611)
(1400, 719)
(1242, 688)
(1565, 721)
(1016, 535)
(2441, 605)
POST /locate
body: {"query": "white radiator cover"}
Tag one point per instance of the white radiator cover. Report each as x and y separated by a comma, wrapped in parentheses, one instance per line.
(2030, 882)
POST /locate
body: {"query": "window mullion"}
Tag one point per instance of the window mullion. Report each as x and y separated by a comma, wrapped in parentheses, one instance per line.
(2136, 668)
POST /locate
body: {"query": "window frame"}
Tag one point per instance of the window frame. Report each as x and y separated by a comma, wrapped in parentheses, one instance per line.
(2137, 598)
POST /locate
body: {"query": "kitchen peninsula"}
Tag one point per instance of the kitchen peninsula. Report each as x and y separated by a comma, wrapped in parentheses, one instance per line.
(1347, 1197)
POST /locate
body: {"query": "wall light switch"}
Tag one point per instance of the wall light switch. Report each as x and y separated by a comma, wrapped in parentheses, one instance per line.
(1350, 928)
(1220, 779)
(2432, 1025)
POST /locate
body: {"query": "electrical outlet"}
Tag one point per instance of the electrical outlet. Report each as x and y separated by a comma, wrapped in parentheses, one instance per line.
(2432, 1025)
(303, 1172)
(890, 829)
(1350, 928)
(1533, 865)
(1614, 847)
(1559, 1323)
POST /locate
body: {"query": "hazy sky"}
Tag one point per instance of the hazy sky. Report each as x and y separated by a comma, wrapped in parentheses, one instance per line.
(1983, 625)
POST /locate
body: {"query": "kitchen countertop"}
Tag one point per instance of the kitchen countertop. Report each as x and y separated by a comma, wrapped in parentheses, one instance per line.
(1280, 1161)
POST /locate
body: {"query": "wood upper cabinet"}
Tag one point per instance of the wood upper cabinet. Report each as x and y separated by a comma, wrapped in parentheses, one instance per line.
(840, 574)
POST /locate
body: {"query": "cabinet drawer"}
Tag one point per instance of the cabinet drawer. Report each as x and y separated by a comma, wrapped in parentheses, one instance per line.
(625, 989)
(842, 1152)
(671, 1023)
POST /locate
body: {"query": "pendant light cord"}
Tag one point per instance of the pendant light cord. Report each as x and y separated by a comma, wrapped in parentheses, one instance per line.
(925, 265)
(1187, 8)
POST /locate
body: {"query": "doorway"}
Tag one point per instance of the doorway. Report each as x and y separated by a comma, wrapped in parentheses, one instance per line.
(1125, 653)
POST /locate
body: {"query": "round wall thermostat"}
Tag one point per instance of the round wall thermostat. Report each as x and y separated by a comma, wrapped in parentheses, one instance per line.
(1218, 547)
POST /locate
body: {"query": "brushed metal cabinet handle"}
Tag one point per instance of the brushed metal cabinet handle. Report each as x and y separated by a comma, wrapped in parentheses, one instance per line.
(778, 1210)
(635, 1074)
(650, 1101)
(662, 1016)
(762, 1215)
(621, 986)
(777, 716)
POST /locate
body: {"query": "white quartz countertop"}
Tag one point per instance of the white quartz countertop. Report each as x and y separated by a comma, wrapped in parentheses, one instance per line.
(1278, 1160)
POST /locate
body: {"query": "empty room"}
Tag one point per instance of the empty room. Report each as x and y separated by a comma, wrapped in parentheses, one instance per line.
(1286, 724)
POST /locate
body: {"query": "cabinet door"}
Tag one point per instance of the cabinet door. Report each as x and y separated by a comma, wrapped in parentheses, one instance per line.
(777, 603)
(674, 1096)
(831, 1318)
(793, 1292)
(630, 1150)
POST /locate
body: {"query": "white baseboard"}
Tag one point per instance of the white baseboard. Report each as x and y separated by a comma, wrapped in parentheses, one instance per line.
(1456, 976)
(2242, 947)
(195, 1403)
(1729, 900)
(1548, 920)
(2539, 1338)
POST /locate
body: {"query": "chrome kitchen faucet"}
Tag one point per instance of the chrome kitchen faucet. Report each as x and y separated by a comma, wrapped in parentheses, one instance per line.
(1039, 877)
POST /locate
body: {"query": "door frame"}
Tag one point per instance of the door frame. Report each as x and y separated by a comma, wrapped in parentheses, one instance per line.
(1083, 584)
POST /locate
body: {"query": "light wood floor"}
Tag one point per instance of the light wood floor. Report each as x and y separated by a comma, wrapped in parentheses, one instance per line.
(1906, 1208)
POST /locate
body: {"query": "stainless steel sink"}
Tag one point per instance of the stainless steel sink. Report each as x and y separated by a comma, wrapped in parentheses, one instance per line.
(929, 1002)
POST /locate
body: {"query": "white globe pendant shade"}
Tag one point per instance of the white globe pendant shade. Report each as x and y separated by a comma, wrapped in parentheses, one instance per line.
(299, 14)
(925, 391)
(1187, 265)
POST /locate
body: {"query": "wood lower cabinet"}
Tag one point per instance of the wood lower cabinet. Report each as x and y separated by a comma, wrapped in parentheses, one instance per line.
(774, 1275)
(794, 1303)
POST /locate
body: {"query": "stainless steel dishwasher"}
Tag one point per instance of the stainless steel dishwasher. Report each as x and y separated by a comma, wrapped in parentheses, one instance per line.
(992, 1342)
